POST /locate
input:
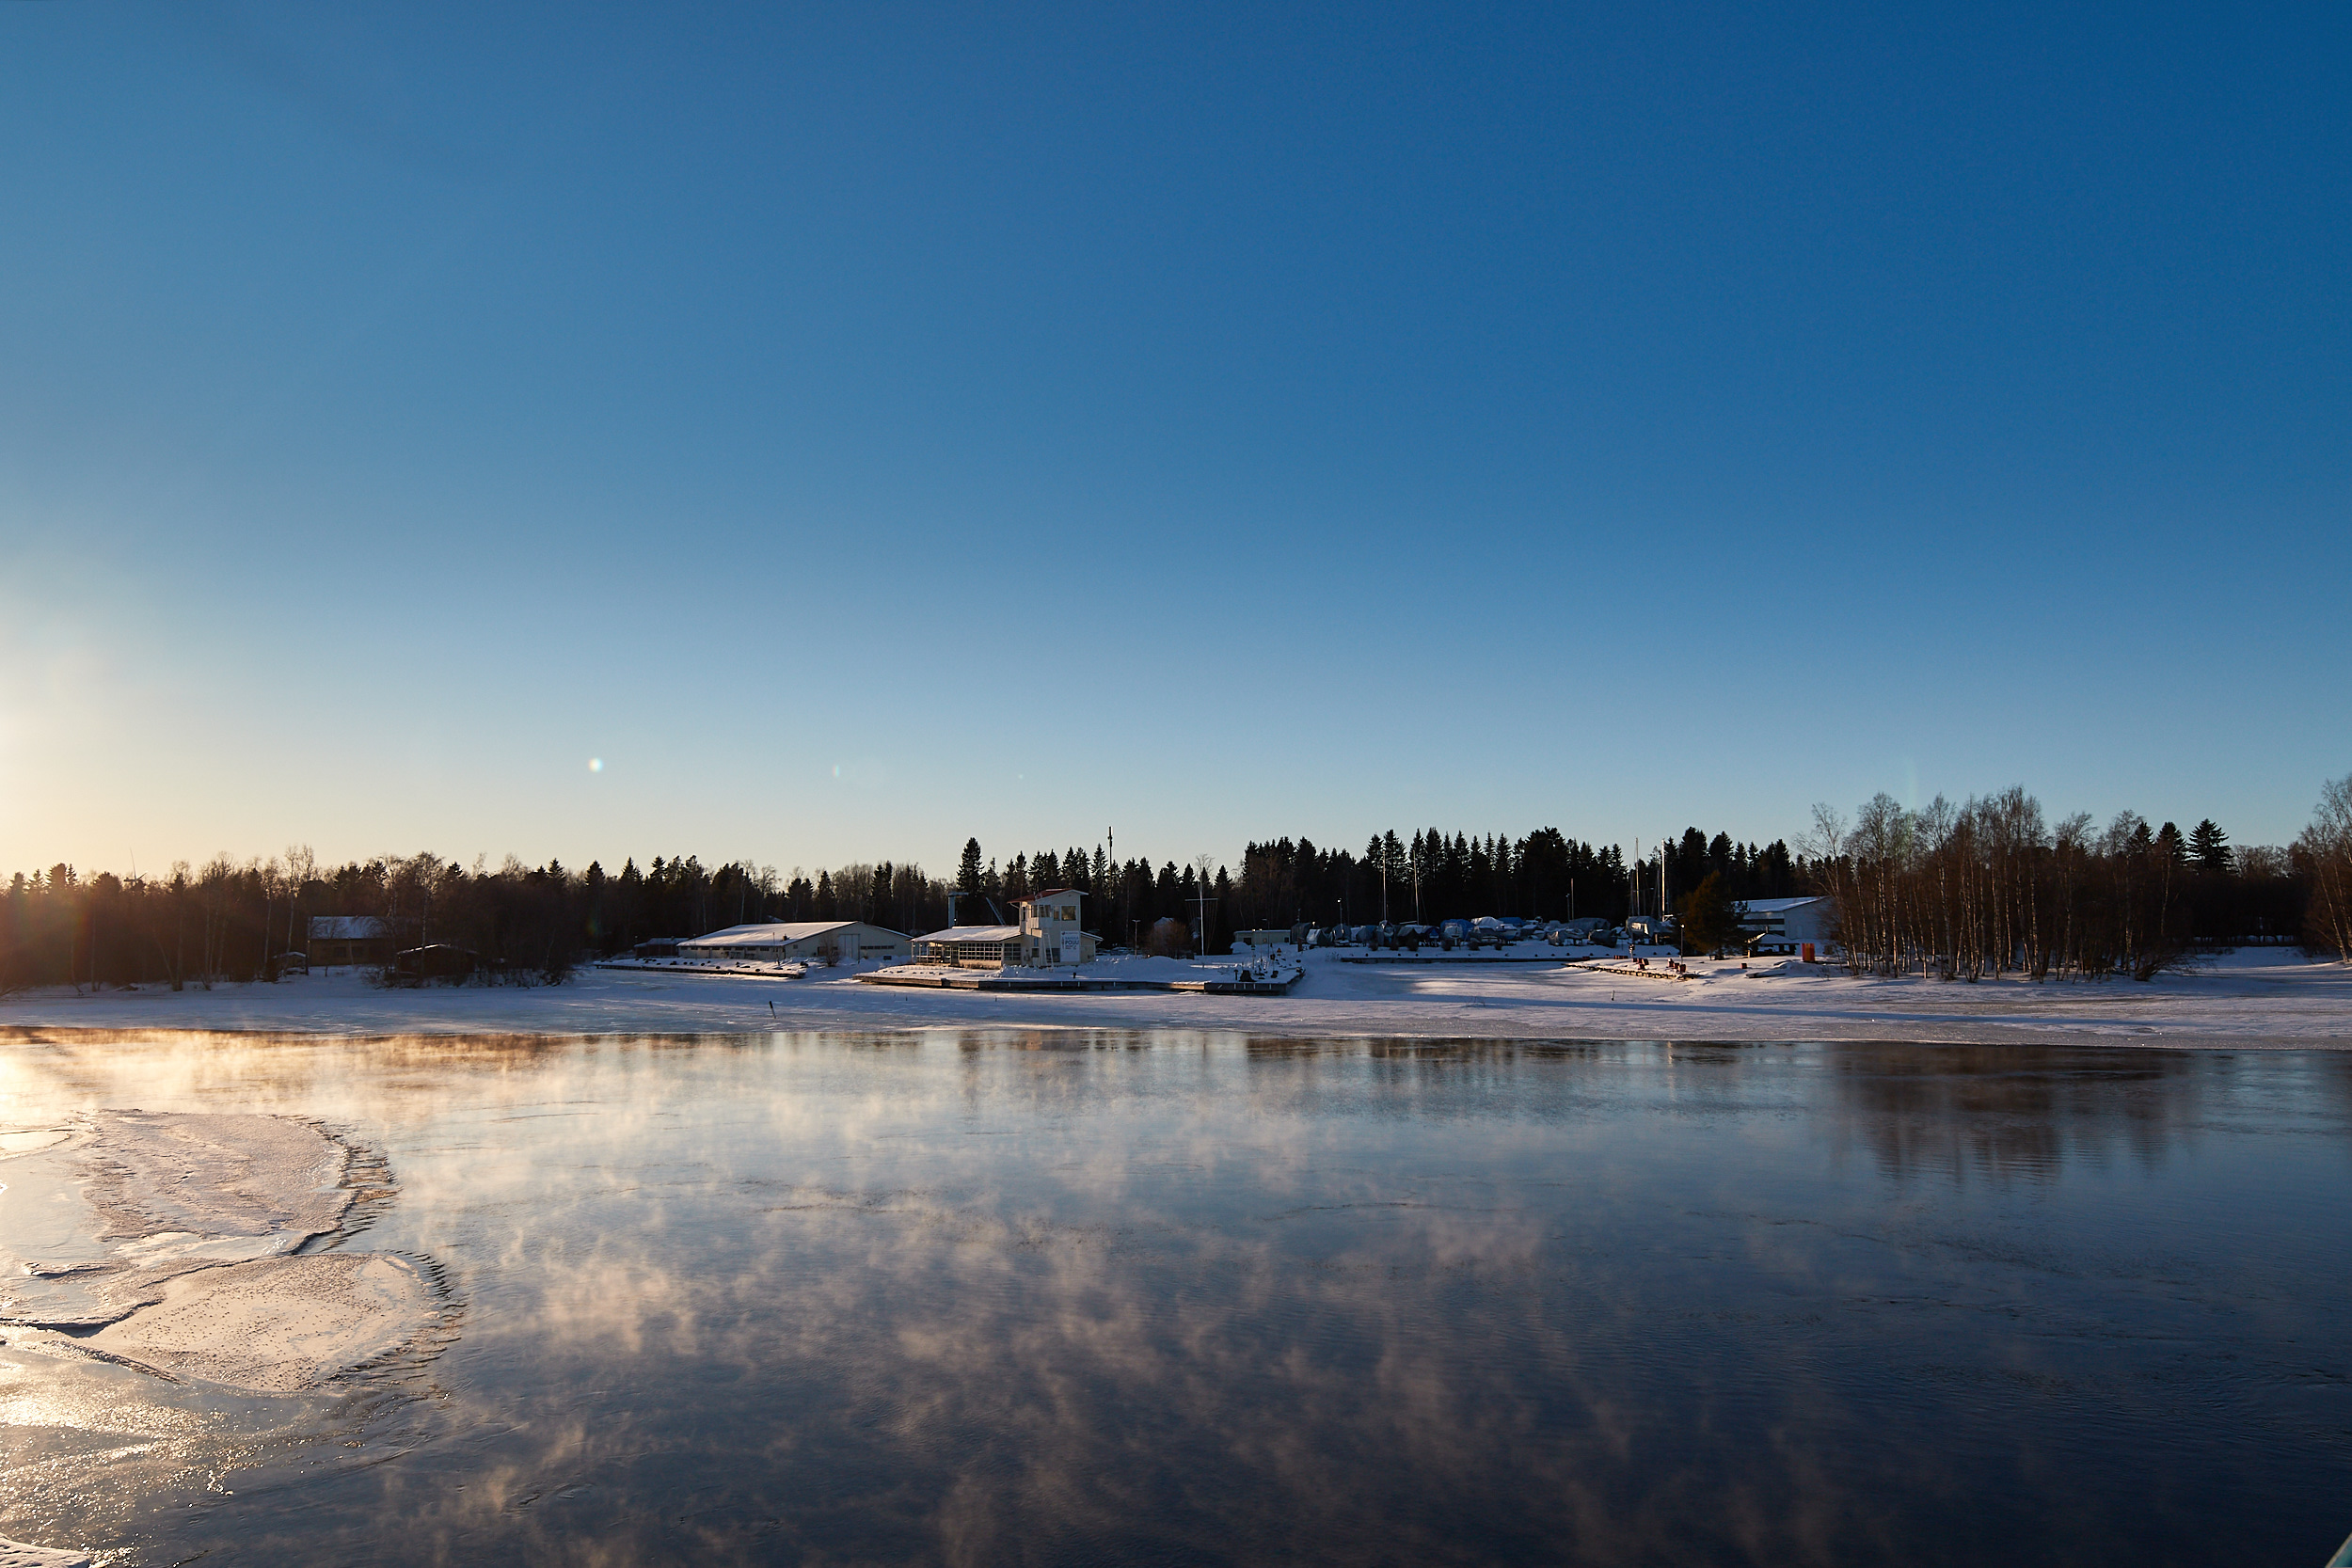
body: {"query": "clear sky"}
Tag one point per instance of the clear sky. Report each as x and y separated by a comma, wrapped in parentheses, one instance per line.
(864, 427)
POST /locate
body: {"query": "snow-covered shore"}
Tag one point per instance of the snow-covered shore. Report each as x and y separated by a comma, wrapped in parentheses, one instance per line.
(2256, 997)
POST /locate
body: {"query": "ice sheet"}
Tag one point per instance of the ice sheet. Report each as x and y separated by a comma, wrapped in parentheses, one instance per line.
(16, 1554)
(276, 1324)
(169, 1241)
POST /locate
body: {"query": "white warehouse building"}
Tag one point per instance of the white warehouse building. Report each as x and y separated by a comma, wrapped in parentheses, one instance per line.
(1784, 925)
(798, 942)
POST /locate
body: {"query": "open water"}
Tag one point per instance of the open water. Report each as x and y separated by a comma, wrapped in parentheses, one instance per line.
(1064, 1299)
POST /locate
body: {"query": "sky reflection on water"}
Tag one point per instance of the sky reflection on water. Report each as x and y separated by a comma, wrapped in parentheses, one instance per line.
(1060, 1297)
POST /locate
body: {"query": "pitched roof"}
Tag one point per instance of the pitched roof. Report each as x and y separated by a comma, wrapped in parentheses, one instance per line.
(768, 934)
(347, 927)
(1053, 893)
(975, 933)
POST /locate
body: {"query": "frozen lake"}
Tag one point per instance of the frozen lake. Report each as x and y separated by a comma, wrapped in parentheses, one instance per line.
(1069, 1297)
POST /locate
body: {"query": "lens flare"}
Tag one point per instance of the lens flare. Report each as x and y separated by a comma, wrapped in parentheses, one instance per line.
(595, 765)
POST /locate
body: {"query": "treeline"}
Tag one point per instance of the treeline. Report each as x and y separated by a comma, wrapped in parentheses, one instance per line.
(1993, 887)
(1544, 876)
(233, 921)
(1987, 887)
(1430, 877)
(1125, 900)
(236, 921)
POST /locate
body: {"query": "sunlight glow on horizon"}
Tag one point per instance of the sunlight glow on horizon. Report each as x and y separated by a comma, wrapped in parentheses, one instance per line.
(1387, 419)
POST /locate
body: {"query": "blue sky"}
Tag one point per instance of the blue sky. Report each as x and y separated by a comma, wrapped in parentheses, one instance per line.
(862, 428)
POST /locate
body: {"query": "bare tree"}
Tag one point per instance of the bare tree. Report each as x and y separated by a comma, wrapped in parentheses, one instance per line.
(302, 868)
(2324, 852)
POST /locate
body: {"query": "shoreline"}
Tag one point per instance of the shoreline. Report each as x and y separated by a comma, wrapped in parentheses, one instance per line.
(2263, 999)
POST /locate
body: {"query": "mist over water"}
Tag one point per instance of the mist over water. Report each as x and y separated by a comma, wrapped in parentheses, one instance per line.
(1061, 1298)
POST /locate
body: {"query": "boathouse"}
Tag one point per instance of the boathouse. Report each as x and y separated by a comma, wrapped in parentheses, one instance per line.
(1049, 935)
(798, 942)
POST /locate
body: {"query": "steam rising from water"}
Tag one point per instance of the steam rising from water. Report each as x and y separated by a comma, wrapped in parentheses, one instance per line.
(1050, 1298)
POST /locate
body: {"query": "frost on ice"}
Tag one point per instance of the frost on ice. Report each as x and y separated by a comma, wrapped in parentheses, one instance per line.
(170, 1242)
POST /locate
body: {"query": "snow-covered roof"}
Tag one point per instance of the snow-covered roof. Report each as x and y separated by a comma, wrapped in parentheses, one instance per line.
(975, 933)
(1053, 893)
(771, 934)
(347, 927)
(1775, 906)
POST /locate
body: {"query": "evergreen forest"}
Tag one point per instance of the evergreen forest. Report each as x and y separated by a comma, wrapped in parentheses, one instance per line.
(1988, 887)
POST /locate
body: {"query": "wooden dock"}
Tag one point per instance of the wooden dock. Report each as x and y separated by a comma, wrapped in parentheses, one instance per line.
(1656, 971)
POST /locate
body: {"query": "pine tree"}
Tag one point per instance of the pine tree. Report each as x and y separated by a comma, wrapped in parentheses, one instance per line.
(1686, 862)
(1708, 921)
(2210, 848)
(968, 870)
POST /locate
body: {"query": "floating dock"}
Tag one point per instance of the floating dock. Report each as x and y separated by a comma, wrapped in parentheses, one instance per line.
(1444, 958)
(674, 966)
(996, 980)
